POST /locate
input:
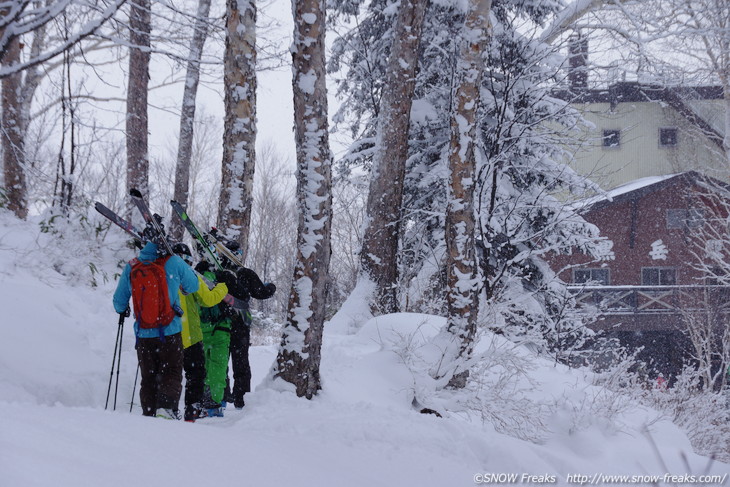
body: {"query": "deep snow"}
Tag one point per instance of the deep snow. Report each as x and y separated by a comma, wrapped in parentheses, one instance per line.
(55, 359)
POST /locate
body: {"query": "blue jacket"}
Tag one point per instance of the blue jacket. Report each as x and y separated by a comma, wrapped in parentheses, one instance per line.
(179, 276)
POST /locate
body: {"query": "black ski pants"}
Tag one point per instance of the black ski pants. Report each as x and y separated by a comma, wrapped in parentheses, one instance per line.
(240, 343)
(161, 370)
(194, 367)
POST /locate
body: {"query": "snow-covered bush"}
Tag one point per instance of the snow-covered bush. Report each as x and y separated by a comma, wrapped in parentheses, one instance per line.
(264, 329)
(701, 413)
(496, 392)
(82, 246)
(75, 249)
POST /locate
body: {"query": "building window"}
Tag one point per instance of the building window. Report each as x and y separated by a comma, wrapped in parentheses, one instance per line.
(658, 276)
(584, 276)
(611, 138)
(667, 137)
(685, 218)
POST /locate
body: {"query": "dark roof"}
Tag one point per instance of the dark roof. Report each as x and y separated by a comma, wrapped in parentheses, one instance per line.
(632, 91)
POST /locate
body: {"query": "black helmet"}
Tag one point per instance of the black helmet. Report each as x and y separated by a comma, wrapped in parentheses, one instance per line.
(181, 248)
(150, 233)
(233, 246)
(183, 251)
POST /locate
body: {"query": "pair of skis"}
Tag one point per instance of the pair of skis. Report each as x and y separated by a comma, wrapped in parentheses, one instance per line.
(206, 240)
(149, 219)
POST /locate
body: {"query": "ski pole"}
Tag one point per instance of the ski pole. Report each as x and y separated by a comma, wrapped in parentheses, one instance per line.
(134, 387)
(119, 357)
(114, 358)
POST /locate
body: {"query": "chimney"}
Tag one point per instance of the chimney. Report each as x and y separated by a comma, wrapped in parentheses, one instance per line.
(578, 63)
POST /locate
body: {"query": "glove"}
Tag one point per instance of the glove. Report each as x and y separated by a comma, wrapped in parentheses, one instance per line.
(226, 277)
(202, 267)
(127, 312)
(270, 287)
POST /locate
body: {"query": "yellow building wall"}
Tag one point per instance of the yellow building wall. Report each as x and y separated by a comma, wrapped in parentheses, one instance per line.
(639, 153)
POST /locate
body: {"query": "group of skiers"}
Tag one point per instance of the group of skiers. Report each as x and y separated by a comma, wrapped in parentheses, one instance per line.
(182, 326)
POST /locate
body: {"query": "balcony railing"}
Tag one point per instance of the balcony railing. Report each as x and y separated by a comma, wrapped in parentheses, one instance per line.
(622, 300)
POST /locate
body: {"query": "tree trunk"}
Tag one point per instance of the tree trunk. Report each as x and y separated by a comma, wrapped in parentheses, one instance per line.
(33, 76)
(13, 140)
(301, 342)
(239, 137)
(140, 25)
(462, 267)
(378, 258)
(187, 115)
(726, 139)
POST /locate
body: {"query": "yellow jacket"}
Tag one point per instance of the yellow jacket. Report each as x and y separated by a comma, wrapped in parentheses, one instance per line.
(191, 333)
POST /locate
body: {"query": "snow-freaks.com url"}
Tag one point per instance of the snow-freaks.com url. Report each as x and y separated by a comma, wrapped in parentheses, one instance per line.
(599, 479)
(667, 478)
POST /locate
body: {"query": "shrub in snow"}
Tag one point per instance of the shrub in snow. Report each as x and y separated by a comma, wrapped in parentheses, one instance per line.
(495, 392)
(81, 246)
(75, 249)
(264, 329)
(701, 413)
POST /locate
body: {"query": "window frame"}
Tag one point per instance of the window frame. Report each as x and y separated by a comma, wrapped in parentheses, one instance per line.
(675, 136)
(592, 271)
(684, 218)
(661, 271)
(609, 134)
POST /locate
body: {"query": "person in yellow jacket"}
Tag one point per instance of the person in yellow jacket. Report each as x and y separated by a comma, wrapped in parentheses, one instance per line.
(192, 337)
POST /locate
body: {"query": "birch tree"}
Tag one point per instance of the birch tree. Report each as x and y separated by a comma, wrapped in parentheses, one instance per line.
(239, 136)
(21, 75)
(299, 354)
(522, 166)
(461, 262)
(187, 115)
(13, 142)
(22, 17)
(18, 90)
(379, 254)
(140, 27)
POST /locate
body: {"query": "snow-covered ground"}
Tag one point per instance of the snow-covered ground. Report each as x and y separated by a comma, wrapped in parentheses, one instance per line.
(58, 336)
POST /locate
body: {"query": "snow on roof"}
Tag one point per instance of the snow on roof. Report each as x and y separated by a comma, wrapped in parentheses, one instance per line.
(636, 184)
(629, 187)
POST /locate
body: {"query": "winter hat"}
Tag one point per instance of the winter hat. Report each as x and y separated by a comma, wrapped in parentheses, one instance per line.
(183, 251)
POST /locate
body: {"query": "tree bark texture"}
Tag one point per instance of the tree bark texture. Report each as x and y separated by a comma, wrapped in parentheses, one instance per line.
(13, 139)
(299, 355)
(379, 254)
(187, 115)
(239, 136)
(461, 264)
(140, 25)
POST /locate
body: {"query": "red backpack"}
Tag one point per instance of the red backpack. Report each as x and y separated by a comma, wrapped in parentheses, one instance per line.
(150, 295)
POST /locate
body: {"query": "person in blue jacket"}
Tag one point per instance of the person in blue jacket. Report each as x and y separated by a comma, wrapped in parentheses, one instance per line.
(159, 350)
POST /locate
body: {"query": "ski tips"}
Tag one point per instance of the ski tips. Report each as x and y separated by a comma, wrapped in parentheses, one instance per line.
(135, 193)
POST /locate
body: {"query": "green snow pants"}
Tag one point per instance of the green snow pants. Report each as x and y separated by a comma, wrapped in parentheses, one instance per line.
(216, 340)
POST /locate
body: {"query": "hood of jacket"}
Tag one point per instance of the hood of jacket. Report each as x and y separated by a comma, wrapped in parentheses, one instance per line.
(149, 252)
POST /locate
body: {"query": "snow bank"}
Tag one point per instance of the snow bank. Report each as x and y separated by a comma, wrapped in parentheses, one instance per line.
(361, 431)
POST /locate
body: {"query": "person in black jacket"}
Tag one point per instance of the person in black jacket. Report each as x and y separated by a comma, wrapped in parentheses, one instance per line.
(243, 284)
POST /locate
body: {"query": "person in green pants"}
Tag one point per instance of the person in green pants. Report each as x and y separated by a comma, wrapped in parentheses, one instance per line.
(192, 337)
(215, 323)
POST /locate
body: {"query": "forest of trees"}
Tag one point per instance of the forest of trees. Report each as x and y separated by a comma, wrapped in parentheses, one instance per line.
(455, 184)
